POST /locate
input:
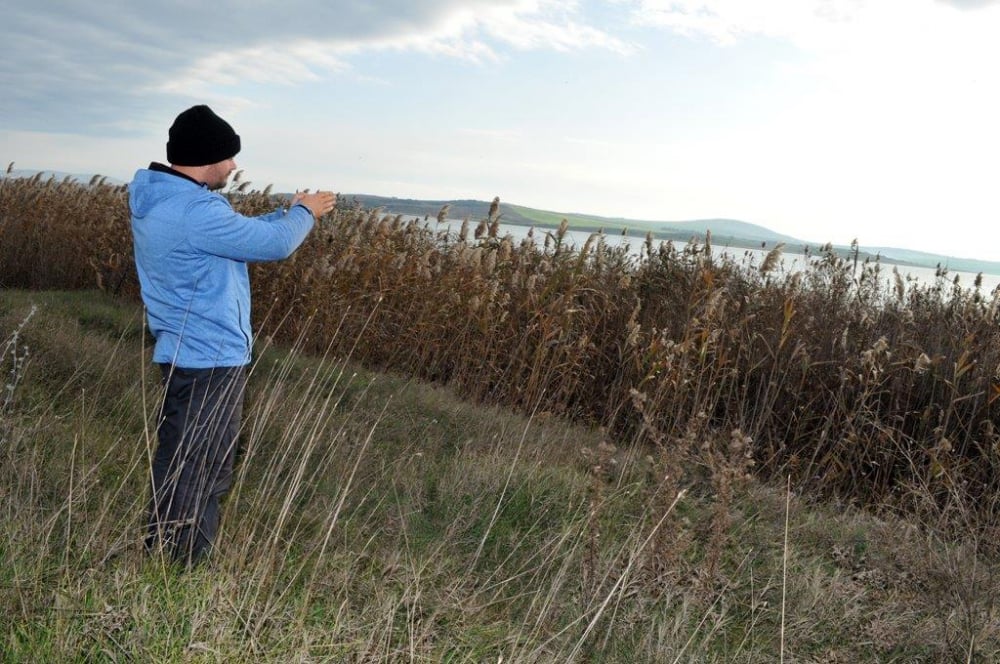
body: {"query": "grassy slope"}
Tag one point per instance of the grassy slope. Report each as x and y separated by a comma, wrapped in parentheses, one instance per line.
(376, 519)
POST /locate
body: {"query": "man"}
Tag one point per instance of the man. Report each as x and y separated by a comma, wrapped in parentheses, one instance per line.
(191, 253)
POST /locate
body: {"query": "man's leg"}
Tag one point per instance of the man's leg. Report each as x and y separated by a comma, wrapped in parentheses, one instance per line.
(193, 466)
(165, 508)
(222, 416)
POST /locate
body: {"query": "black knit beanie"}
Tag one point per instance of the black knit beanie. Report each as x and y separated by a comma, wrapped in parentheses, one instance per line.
(199, 137)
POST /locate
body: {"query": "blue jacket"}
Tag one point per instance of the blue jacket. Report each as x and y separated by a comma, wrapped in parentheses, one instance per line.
(191, 252)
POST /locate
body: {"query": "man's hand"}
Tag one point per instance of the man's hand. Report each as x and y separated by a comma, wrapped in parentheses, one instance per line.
(319, 203)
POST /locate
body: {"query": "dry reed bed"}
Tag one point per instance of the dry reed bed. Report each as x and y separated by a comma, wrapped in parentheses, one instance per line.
(882, 395)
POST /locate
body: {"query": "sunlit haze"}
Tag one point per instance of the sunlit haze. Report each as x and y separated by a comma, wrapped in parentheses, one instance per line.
(827, 120)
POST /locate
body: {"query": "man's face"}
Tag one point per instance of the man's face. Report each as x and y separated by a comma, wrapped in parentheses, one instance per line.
(218, 174)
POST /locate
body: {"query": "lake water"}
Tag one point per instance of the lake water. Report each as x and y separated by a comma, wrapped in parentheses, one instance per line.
(791, 262)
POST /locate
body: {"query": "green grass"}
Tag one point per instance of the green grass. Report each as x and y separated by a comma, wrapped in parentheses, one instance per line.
(376, 518)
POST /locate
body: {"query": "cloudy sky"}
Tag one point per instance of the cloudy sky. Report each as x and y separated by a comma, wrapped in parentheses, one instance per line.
(828, 120)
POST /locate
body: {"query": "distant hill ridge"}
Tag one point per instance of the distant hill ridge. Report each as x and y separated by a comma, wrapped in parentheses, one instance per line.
(525, 216)
(725, 232)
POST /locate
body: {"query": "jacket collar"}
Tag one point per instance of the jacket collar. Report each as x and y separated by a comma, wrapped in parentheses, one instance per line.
(163, 168)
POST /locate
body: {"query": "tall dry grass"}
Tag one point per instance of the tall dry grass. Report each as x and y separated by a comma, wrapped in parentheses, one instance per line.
(883, 395)
(62, 234)
(379, 519)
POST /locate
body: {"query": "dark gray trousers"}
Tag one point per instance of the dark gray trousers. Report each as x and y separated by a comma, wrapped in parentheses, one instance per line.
(193, 465)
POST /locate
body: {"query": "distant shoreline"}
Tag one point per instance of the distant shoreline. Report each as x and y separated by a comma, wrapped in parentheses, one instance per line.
(577, 237)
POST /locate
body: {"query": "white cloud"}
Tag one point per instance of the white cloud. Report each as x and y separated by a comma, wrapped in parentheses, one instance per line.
(64, 66)
(816, 22)
(544, 25)
(970, 4)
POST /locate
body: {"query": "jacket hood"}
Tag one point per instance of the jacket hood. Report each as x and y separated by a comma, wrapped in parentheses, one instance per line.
(149, 188)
